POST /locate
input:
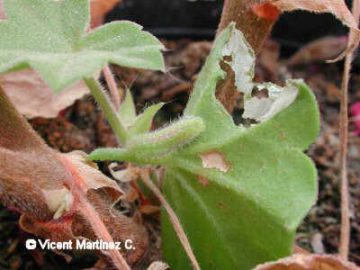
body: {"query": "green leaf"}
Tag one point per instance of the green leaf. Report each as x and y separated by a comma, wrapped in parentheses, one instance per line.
(50, 36)
(137, 124)
(239, 192)
(144, 120)
(127, 110)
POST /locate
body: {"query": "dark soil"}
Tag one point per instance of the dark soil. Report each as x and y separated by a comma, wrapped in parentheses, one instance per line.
(83, 127)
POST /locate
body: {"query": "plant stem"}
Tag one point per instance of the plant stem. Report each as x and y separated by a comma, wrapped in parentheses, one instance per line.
(110, 113)
(113, 154)
(255, 30)
(173, 219)
(79, 190)
(114, 91)
(344, 189)
(344, 133)
(99, 228)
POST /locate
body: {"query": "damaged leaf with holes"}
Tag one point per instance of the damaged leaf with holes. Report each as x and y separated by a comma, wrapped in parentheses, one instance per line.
(260, 185)
(239, 191)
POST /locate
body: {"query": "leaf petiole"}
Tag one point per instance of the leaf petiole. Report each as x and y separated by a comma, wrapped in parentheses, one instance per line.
(106, 105)
(115, 154)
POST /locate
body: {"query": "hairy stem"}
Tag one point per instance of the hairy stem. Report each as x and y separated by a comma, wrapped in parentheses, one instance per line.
(118, 154)
(110, 113)
(88, 212)
(99, 228)
(173, 219)
(344, 133)
(255, 30)
(114, 91)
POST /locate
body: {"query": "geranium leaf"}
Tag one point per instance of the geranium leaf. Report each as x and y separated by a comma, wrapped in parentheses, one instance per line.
(241, 192)
(61, 50)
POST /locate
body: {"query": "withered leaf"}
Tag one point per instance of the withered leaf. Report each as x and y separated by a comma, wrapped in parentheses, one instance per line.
(336, 7)
(33, 98)
(28, 167)
(49, 188)
(309, 262)
(320, 50)
(93, 178)
(75, 226)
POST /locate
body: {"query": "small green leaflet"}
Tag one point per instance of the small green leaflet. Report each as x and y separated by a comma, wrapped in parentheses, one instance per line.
(51, 37)
(127, 111)
(239, 192)
(137, 124)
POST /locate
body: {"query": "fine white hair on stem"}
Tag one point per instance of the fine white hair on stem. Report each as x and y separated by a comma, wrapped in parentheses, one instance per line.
(113, 89)
(100, 230)
(344, 133)
(145, 177)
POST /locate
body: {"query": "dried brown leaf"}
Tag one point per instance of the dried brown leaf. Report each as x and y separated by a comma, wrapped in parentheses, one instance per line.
(124, 175)
(320, 50)
(93, 178)
(33, 98)
(29, 168)
(336, 7)
(61, 196)
(309, 262)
